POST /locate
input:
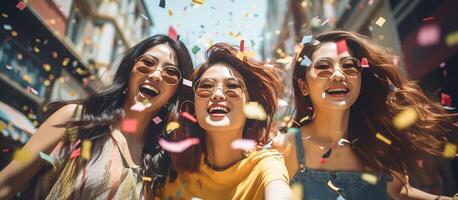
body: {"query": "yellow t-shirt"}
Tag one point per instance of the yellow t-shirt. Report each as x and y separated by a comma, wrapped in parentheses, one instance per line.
(247, 179)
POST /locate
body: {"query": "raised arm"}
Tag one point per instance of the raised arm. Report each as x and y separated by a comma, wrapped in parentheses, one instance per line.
(16, 174)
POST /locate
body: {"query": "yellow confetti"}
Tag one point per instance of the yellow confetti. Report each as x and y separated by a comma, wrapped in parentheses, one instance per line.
(2, 125)
(199, 2)
(65, 62)
(304, 118)
(451, 39)
(86, 149)
(297, 190)
(370, 178)
(47, 83)
(449, 150)
(240, 55)
(146, 178)
(249, 54)
(47, 67)
(253, 110)
(170, 12)
(171, 126)
(13, 33)
(23, 156)
(383, 138)
(380, 21)
(36, 49)
(405, 118)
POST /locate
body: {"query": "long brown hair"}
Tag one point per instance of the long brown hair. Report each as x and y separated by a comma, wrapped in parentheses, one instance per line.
(376, 106)
(263, 86)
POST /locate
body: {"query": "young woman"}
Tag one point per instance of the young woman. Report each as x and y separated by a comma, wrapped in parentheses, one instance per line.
(347, 145)
(214, 169)
(125, 157)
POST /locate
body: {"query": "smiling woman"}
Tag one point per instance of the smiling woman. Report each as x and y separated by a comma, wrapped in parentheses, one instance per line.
(106, 147)
(219, 167)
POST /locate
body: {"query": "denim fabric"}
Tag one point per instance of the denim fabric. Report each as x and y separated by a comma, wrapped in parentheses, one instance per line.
(351, 186)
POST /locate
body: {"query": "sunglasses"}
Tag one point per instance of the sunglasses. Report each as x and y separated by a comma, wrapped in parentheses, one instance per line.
(233, 88)
(169, 74)
(325, 67)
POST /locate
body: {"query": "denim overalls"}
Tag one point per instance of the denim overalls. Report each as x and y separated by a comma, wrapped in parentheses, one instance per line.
(351, 186)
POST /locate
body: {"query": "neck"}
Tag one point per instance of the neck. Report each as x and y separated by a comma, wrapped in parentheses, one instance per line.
(329, 125)
(219, 151)
(143, 120)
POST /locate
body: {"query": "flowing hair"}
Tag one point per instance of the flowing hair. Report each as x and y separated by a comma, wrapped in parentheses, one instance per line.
(104, 110)
(376, 106)
(263, 86)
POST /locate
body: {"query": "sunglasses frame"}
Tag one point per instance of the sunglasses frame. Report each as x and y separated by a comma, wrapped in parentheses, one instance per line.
(155, 69)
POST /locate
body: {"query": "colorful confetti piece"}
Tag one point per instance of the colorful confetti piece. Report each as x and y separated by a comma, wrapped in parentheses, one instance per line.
(21, 5)
(380, 21)
(178, 147)
(171, 126)
(46, 157)
(172, 33)
(449, 150)
(427, 19)
(129, 125)
(370, 178)
(405, 118)
(446, 100)
(242, 45)
(428, 35)
(364, 63)
(75, 153)
(307, 39)
(199, 2)
(243, 144)
(146, 178)
(195, 49)
(383, 138)
(189, 117)
(305, 61)
(187, 82)
(451, 39)
(342, 142)
(23, 156)
(138, 106)
(162, 4)
(86, 147)
(254, 110)
(170, 13)
(157, 120)
(341, 47)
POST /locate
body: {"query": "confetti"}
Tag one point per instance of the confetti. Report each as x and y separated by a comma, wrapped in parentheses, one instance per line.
(307, 39)
(33, 91)
(370, 178)
(178, 147)
(239, 55)
(449, 150)
(451, 39)
(171, 126)
(322, 160)
(170, 12)
(129, 125)
(333, 187)
(162, 4)
(249, 54)
(341, 47)
(307, 117)
(296, 189)
(253, 110)
(305, 61)
(2, 125)
(446, 100)
(243, 144)
(23, 156)
(173, 33)
(195, 49)
(21, 5)
(428, 19)
(86, 146)
(47, 157)
(189, 117)
(380, 21)
(157, 120)
(405, 118)
(187, 82)
(138, 106)
(342, 142)
(420, 163)
(144, 17)
(75, 153)
(199, 2)
(383, 138)
(146, 178)
(242, 45)
(364, 63)
(428, 35)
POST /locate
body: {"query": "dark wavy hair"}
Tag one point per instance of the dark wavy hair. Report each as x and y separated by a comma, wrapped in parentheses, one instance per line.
(376, 106)
(263, 86)
(104, 109)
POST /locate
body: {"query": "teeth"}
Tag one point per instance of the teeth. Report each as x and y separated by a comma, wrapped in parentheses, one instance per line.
(338, 90)
(150, 88)
(219, 108)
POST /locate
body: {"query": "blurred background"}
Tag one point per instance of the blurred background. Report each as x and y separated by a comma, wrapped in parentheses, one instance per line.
(66, 49)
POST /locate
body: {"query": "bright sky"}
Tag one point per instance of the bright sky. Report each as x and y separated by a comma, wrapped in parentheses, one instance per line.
(213, 21)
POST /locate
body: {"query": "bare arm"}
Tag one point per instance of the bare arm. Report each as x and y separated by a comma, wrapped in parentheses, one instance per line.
(285, 144)
(398, 192)
(16, 174)
(277, 189)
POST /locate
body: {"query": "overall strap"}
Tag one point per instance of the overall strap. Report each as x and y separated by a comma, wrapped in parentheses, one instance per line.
(299, 150)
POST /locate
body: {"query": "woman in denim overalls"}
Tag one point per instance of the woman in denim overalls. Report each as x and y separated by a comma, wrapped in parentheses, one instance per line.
(347, 91)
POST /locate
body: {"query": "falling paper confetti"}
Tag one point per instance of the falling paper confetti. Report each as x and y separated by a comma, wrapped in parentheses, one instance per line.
(428, 35)
(341, 47)
(428, 19)
(383, 138)
(307, 39)
(46, 157)
(195, 49)
(178, 147)
(138, 106)
(370, 178)
(239, 55)
(405, 118)
(243, 144)
(296, 189)
(187, 82)
(342, 142)
(171, 126)
(21, 5)
(242, 45)
(23, 156)
(189, 117)
(199, 2)
(86, 146)
(253, 110)
(75, 153)
(129, 125)
(420, 163)
(449, 150)
(162, 4)
(157, 120)
(305, 61)
(364, 63)
(380, 21)
(146, 178)
(446, 100)
(173, 33)
(451, 39)
(307, 117)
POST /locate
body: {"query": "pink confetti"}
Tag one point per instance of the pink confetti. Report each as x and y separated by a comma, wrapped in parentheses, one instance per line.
(75, 153)
(30, 89)
(341, 47)
(21, 5)
(5, 150)
(420, 163)
(446, 100)
(364, 63)
(243, 144)
(442, 65)
(139, 106)
(173, 33)
(157, 120)
(428, 19)
(178, 147)
(428, 35)
(129, 125)
(322, 160)
(242, 45)
(189, 117)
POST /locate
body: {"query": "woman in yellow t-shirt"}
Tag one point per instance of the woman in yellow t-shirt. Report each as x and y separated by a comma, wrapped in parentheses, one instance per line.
(222, 165)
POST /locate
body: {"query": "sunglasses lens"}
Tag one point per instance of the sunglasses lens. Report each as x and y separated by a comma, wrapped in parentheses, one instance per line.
(351, 67)
(171, 75)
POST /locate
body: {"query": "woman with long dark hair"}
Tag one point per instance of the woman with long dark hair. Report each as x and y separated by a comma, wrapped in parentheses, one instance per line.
(222, 165)
(106, 146)
(347, 92)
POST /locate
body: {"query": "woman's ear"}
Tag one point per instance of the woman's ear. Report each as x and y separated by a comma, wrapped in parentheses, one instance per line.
(303, 87)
